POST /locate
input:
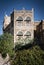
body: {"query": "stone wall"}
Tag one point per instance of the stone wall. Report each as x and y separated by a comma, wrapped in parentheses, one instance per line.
(4, 61)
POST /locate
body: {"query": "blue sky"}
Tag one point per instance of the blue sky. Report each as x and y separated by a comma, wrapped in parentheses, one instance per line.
(7, 6)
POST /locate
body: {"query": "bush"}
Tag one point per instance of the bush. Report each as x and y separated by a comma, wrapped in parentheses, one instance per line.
(6, 44)
(33, 56)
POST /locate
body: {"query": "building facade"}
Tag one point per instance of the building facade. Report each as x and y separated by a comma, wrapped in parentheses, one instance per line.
(40, 31)
(20, 24)
(36, 23)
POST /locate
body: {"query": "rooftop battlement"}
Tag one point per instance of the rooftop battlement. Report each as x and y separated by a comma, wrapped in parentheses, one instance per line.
(23, 10)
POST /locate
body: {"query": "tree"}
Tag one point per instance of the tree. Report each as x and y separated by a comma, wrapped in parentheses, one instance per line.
(6, 45)
(32, 56)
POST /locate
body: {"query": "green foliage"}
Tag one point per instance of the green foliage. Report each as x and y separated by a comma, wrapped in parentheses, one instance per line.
(33, 56)
(6, 45)
(30, 56)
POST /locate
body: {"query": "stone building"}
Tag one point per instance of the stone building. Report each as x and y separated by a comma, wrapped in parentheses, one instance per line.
(36, 23)
(20, 24)
(40, 31)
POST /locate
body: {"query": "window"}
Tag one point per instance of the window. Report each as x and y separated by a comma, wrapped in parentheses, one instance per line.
(28, 19)
(28, 34)
(20, 18)
(20, 33)
(19, 21)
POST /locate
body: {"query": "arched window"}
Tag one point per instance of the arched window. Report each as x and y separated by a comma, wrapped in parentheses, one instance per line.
(20, 33)
(28, 33)
(28, 19)
(19, 21)
(20, 18)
